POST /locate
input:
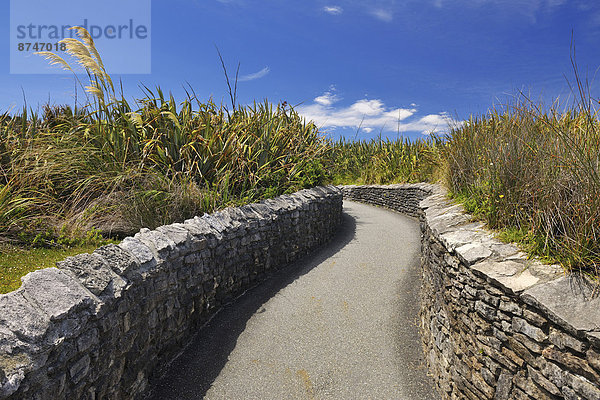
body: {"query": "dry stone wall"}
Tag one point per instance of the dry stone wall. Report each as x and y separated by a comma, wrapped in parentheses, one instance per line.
(98, 325)
(495, 325)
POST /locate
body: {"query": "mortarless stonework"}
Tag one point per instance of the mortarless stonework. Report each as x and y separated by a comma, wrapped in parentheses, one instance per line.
(495, 325)
(98, 325)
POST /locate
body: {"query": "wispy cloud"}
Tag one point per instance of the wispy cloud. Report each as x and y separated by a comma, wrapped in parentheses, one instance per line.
(384, 15)
(369, 115)
(327, 98)
(256, 75)
(334, 10)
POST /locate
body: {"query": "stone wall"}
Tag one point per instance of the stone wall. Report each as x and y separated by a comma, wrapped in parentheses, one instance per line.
(99, 324)
(496, 325)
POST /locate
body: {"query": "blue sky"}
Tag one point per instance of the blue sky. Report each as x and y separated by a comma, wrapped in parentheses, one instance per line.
(386, 66)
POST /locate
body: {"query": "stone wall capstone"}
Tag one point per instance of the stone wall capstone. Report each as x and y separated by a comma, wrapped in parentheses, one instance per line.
(97, 326)
(495, 325)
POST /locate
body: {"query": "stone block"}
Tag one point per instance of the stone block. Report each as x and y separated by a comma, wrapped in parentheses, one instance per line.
(564, 341)
(513, 276)
(95, 274)
(56, 294)
(19, 316)
(571, 362)
(524, 327)
(568, 301)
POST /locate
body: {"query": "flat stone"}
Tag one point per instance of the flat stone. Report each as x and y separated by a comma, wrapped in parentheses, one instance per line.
(121, 261)
(176, 232)
(527, 342)
(460, 237)
(445, 208)
(524, 327)
(504, 250)
(504, 386)
(446, 222)
(568, 301)
(520, 350)
(511, 275)
(564, 341)
(551, 371)
(56, 293)
(29, 323)
(571, 362)
(158, 241)
(94, 273)
(143, 254)
(473, 252)
(542, 381)
(485, 310)
(511, 307)
(584, 387)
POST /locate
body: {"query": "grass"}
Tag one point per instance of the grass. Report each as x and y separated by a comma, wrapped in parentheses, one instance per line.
(534, 172)
(530, 171)
(71, 176)
(16, 262)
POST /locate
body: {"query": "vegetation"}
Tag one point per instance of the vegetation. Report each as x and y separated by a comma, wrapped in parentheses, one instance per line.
(16, 262)
(385, 161)
(112, 167)
(534, 174)
(74, 178)
(116, 168)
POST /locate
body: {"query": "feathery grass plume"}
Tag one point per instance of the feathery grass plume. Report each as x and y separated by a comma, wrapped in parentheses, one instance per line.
(84, 51)
(89, 43)
(54, 59)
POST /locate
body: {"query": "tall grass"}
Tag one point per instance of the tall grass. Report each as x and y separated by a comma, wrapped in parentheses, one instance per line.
(115, 166)
(534, 172)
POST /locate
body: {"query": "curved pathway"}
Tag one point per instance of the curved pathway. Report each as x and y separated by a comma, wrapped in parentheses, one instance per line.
(339, 324)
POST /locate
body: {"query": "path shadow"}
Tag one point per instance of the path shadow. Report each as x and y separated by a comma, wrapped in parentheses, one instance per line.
(192, 373)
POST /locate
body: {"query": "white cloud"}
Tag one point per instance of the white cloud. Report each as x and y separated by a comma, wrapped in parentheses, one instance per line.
(384, 15)
(256, 75)
(370, 115)
(334, 10)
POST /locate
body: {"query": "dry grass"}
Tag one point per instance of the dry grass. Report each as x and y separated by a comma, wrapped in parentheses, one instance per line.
(534, 172)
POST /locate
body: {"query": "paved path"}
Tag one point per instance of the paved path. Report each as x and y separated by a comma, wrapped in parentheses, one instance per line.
(341, 324)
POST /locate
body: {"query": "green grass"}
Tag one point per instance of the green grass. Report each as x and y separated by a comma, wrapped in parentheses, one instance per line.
(16, 262)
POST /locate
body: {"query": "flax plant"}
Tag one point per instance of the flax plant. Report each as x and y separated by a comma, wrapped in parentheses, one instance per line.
(118, 166)
(384, 161)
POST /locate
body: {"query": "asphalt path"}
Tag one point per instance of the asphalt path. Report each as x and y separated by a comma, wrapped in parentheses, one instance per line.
(341, 323)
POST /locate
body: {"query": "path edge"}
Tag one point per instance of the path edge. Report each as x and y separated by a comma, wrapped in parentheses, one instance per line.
(494, 324)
